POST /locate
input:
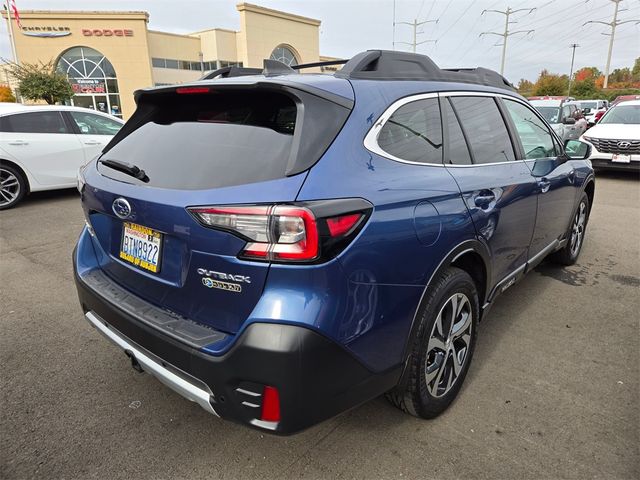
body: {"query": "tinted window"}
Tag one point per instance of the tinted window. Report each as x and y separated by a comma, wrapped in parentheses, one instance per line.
(566, 113)
(414, 132)
(550, 114)
(36, 122)
(457, 151)
(534, 135)
(485, 129)
(207, 141)
(91, 124)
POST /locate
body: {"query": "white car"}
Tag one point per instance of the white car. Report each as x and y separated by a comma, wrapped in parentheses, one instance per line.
(615, 139)
(42, 146)
(593, 110)
(564, 117)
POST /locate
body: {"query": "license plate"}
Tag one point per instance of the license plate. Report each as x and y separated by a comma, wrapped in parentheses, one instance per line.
(621, 158)
(141, 246)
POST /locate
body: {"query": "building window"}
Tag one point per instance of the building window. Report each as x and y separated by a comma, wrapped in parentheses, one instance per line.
(92, 78)
(285, 55)
(191, 65)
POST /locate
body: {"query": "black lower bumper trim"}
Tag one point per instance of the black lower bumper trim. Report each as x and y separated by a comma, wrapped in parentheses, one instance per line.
(316, 378)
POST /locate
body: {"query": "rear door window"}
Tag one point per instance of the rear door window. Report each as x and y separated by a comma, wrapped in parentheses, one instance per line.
(208, 141)
(484, 128)
(36, 122)
(414, 132)
(92, 124)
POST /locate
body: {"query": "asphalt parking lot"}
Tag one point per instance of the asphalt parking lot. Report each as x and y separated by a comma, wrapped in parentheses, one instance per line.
(553, 391)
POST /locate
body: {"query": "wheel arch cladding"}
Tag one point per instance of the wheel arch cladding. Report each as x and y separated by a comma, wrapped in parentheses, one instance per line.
(590, 190)
(25, 177)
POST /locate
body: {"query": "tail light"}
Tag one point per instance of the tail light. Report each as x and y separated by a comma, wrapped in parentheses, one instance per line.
(287, 233)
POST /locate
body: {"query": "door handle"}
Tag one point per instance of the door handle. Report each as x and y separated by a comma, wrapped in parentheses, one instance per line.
(19, 142)
(544, 185)
(484, 198)
(92, 142)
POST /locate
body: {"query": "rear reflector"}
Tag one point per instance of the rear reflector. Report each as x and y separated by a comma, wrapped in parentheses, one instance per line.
(190, 90)
(270, 405)
(339, 226)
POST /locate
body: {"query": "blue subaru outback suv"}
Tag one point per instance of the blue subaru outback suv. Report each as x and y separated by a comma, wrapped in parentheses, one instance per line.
(280, 247)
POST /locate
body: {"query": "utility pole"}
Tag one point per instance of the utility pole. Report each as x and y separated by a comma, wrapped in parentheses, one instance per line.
(507, 13)
(415, 24)
(613, 24)
(573, 56)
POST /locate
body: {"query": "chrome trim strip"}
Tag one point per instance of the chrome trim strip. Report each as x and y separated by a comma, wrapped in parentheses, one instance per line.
(247, 392)
(170, 379)
(542, 253)
(371, 139)
(250, 405)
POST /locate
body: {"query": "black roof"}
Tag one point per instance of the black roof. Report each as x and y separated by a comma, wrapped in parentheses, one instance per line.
(379, 65)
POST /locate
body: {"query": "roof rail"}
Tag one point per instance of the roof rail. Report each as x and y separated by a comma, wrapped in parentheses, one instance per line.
(319, 64)
(227, 72)
(392, 65)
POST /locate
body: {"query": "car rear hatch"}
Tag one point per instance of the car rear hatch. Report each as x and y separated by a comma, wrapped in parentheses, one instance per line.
(192, 147)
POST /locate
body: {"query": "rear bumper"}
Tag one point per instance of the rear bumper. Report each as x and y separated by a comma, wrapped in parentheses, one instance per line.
(316, 378)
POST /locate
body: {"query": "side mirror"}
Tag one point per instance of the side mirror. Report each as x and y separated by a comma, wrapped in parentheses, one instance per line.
(569, 121)
(586, 110)
(577, 150)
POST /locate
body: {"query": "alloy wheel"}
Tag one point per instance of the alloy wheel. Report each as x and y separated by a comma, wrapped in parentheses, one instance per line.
(9, 187)
(449, 345)
(577, 229)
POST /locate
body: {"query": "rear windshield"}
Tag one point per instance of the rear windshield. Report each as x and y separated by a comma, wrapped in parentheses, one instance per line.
(201, 141)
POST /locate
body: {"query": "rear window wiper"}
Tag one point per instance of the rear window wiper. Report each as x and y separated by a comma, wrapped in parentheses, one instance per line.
(127, 169)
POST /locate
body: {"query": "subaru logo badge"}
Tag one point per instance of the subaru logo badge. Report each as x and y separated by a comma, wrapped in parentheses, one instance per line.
(624, 144)
(121, 208)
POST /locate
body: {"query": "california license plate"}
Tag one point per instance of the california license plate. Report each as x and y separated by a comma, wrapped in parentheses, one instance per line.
(621, 158)
(141, 246)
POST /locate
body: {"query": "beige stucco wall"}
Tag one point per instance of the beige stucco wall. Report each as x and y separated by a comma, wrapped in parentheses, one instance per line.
(218, 44)
(170, 45)
(263, 29)
(128, 54)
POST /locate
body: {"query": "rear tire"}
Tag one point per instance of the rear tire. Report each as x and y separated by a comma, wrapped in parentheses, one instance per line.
(443, 348)
(13, 186)
(569, 254)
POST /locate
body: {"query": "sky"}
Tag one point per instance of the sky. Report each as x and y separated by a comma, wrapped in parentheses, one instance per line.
(351, 26)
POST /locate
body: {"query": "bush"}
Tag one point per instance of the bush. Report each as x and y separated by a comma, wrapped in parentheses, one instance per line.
(6, 95)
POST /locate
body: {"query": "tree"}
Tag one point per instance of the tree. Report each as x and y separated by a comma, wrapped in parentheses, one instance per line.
(585, 89)
(40, 81)
(635, 71)
(586, 72)
(525, 86)
(551, 84)
(6, 95)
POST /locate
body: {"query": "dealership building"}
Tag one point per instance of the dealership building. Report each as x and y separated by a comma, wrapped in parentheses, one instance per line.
(109, 55)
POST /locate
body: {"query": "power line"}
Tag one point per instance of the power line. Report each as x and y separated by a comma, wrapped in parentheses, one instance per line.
(505, 36)
(613, 24)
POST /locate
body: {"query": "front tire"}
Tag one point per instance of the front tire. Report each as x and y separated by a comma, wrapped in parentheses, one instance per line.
(569, 254)
(13, 186)
(442, 350)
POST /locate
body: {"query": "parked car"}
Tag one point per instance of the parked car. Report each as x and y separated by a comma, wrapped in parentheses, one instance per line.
(42, 147)
(615, 140)
(593, 110)
(565, 117)
(625, 98)
(282, 247)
